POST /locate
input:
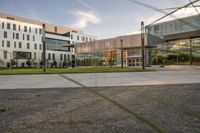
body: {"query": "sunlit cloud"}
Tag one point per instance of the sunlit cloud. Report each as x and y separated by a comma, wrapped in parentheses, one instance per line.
(185, 12)
(33, 14)
(89, 7)
(84, 18)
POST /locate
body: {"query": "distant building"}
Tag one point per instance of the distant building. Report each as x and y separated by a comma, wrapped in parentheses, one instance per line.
(110, 51)
(176, 29)
(182, 41)
(21, 39)
(167, 42)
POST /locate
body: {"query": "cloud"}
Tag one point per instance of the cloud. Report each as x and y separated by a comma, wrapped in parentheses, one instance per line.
(185, 12)
(89, 7)
(34, 15)
(84, 18)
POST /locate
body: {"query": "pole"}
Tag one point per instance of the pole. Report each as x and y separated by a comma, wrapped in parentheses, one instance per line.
(143, 49)
(10, 61)
(44, 48)
(190, 51)
(122, 55)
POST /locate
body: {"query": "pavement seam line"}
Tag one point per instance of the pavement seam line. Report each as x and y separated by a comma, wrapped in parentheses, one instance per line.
(136, 115)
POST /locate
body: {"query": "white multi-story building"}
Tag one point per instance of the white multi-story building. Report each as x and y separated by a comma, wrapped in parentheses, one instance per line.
(21, 39)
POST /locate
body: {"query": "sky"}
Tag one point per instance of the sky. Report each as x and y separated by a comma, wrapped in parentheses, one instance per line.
(101, 18)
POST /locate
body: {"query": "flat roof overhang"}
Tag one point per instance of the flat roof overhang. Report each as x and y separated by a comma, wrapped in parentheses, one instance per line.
(186, 35)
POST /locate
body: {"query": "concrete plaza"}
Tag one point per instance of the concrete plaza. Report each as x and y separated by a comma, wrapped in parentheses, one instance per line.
(163, 101)
(168, 75)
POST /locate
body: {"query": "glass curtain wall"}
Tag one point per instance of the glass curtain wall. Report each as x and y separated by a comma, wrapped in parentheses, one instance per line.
(110, 57)
(177, 52)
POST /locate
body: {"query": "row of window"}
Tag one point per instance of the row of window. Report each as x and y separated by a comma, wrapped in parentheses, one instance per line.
(62, 56)
(82, 38)
(167, 28)
(15, 27)
(16, 36)
(27, 55)
(8, 45)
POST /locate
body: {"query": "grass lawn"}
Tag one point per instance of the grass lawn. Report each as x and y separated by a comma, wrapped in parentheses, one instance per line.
(23, 71)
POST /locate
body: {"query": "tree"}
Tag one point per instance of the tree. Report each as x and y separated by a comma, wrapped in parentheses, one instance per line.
(1, 63)
(54, 63)
(14, 62)
(29, 62)
(111, 62)
(66, 63)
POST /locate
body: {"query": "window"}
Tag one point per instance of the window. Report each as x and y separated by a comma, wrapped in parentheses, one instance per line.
(14, 26)
(156, 29)
(23, 37)
(35, 30)
(171, 27)
(20, 44)
(49, 56)
(25, 28)
(71, 36)
(166, 31)
(53, 57)
(5, 54)
(181, 26)
(19, 27)
(13, 35)
(40, 46)
(28, 45)
(83, 38)
(8, 44)
(40, 31)
(35, 55)
(55, 29)
(61, 57)
(15, 44)
(33, 38)
(86, 39)
(29, 29)
(28, 37)
(65, 57)
(5, 34)
(2, 43)
(2, 25)
(78, 38)
(35, 46)
(17, 35)
(22, 55)
(8, 25)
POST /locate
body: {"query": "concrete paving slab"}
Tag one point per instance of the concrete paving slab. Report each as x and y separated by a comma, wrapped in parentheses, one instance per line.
(171, 75)
(134, 79)
(34, 81)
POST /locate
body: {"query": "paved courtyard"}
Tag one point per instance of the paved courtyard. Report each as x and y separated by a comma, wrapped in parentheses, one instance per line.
(169, 75)
(139, 109)
(164, 101)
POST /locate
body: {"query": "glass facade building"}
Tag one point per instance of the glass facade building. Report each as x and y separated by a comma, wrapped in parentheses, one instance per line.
(183, 25)
(185, 51)
(109, 52)
(57, 45)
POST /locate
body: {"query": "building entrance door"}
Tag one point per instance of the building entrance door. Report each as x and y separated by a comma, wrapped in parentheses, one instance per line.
(133, 62)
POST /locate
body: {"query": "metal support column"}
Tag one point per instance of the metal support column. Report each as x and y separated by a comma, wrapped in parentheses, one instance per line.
(191, 48)
(44, 48)
(143, 49)
(122, 55)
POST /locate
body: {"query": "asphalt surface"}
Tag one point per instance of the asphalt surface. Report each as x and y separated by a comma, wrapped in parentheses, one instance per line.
(130, 109)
